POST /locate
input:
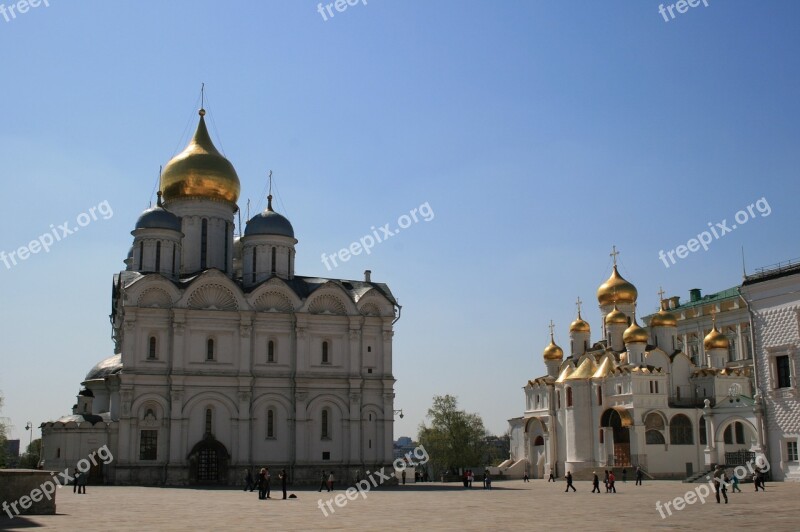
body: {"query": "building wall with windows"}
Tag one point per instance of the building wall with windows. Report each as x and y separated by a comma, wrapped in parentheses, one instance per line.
(774, 298)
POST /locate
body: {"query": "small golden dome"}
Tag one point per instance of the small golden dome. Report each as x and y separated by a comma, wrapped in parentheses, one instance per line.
(579, 325)
(552, 351)
(634, 334)
(616, 316)
(616, 290)
(200, 171)
(715, 340)
(663, 319)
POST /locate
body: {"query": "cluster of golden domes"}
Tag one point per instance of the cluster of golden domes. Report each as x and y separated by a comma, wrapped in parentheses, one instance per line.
(200, 171)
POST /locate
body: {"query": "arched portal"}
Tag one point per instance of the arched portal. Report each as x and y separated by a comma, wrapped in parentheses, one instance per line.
(208, 461)
(618, 420)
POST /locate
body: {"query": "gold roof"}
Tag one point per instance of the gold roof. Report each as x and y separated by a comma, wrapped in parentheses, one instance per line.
(616, 316)
(579, 325)
(603, 370)
(552, 351)
(715, 340)
(584, 371)
(663, 319)
(564, 374)
(200, 171)
(634, 334)
(616, 290)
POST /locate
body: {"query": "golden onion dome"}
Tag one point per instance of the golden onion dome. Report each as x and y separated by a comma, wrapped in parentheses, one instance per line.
(663, 319)
(579, 325)
(616, 316)
(715, 340)
(200, 171)
(552, 351)
(634, 334)
(616, 290)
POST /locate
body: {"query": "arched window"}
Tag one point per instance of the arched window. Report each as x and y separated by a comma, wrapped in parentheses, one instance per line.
(558, 399)
(325, 359)
(274, 254)
(271, 351)
(270, 423)
(151, 350)
(538, 441)
(599, 395)
(228, 234)
(325, 424)
(703, 433)
(58, 452)
(537, 401)
(210, 349)
(569, 397)
(208, 421)
(253, 274)
(680, 430)
(158, 257)
(602, 436)
(203, 244)
(739, 429)
(654, 429)
(141, 255)
(174, 260)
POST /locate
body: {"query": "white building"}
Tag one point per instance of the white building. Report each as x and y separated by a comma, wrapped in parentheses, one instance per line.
(772, 295)
(633, 398)
(225, 359)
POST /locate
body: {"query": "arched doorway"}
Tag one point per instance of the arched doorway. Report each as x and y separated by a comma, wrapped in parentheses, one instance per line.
(536, 429)
(208, 461)
(619, 422)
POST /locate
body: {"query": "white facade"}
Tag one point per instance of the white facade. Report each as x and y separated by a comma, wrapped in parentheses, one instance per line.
(634, 399)
(773, 299)
(225, 359)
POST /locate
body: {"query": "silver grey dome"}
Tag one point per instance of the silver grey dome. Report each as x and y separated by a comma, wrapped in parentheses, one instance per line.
(269, 223)
(104, 368)
(158, 218)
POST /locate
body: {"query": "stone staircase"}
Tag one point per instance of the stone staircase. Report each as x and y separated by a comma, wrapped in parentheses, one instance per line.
(699, 477)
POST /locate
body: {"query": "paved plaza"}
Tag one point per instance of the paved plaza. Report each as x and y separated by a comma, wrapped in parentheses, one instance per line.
(511, 505)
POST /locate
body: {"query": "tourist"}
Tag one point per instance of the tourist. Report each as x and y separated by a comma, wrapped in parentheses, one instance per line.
(267, 478)
(719, 484)
(639, 476)
(262, 484)
(595, 482)
(82, 479)
(611, 480)
(284, 478)
(248, 480)
(75, 476)
(324, 482)
(471, 477)
(525, 477)
(569, 482)
(758, 479)
(465, 478)
(552, 476)
(605, 481)
(735, 483)
(330, 481)
(624, 475)
(487, 480)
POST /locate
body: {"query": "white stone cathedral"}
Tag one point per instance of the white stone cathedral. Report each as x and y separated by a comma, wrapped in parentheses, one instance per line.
(225, 359)
(634, 398)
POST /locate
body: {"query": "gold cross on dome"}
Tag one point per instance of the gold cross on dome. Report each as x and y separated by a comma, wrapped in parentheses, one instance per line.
(661, 294)
(614, 254)
(578, 304)
(552, 328)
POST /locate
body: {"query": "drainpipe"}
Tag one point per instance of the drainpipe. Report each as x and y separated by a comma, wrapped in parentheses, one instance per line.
(761, 420)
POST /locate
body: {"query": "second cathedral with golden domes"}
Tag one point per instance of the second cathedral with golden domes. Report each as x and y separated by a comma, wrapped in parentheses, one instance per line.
(616, 402)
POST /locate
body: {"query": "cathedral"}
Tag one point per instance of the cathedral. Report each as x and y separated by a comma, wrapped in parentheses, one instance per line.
(633, 398)
(224, 358)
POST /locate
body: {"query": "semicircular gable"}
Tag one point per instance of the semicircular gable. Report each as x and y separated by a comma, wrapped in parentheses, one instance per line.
(657, 358)
(373, 303)
(274, 296)
(327, 303)
(333, 289)
(152, 291)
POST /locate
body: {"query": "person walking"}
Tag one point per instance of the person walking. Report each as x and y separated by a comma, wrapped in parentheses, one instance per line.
(624, 476)
(75, 478)
(487, 480)
(262, 484)
(569, 482)
(248, 480)
(639, 476)
(324, 482)
(471, 478)
(268, 478)
(552, 476)
(605, 480)
(284, 479)
(595, 482)
(525, 477)
(611, 480)
(719, 484)
(330, 481)
(735, 483)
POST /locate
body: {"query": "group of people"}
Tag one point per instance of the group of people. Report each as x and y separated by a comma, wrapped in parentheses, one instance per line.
(262, 482)
(79, 482)
(468, 477)
(327, 481)
(610, 480)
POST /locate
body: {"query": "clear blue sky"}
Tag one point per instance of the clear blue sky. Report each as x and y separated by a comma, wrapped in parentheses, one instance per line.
(540, 133)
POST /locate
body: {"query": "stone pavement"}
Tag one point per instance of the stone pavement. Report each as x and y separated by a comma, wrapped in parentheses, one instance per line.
(511, 505)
